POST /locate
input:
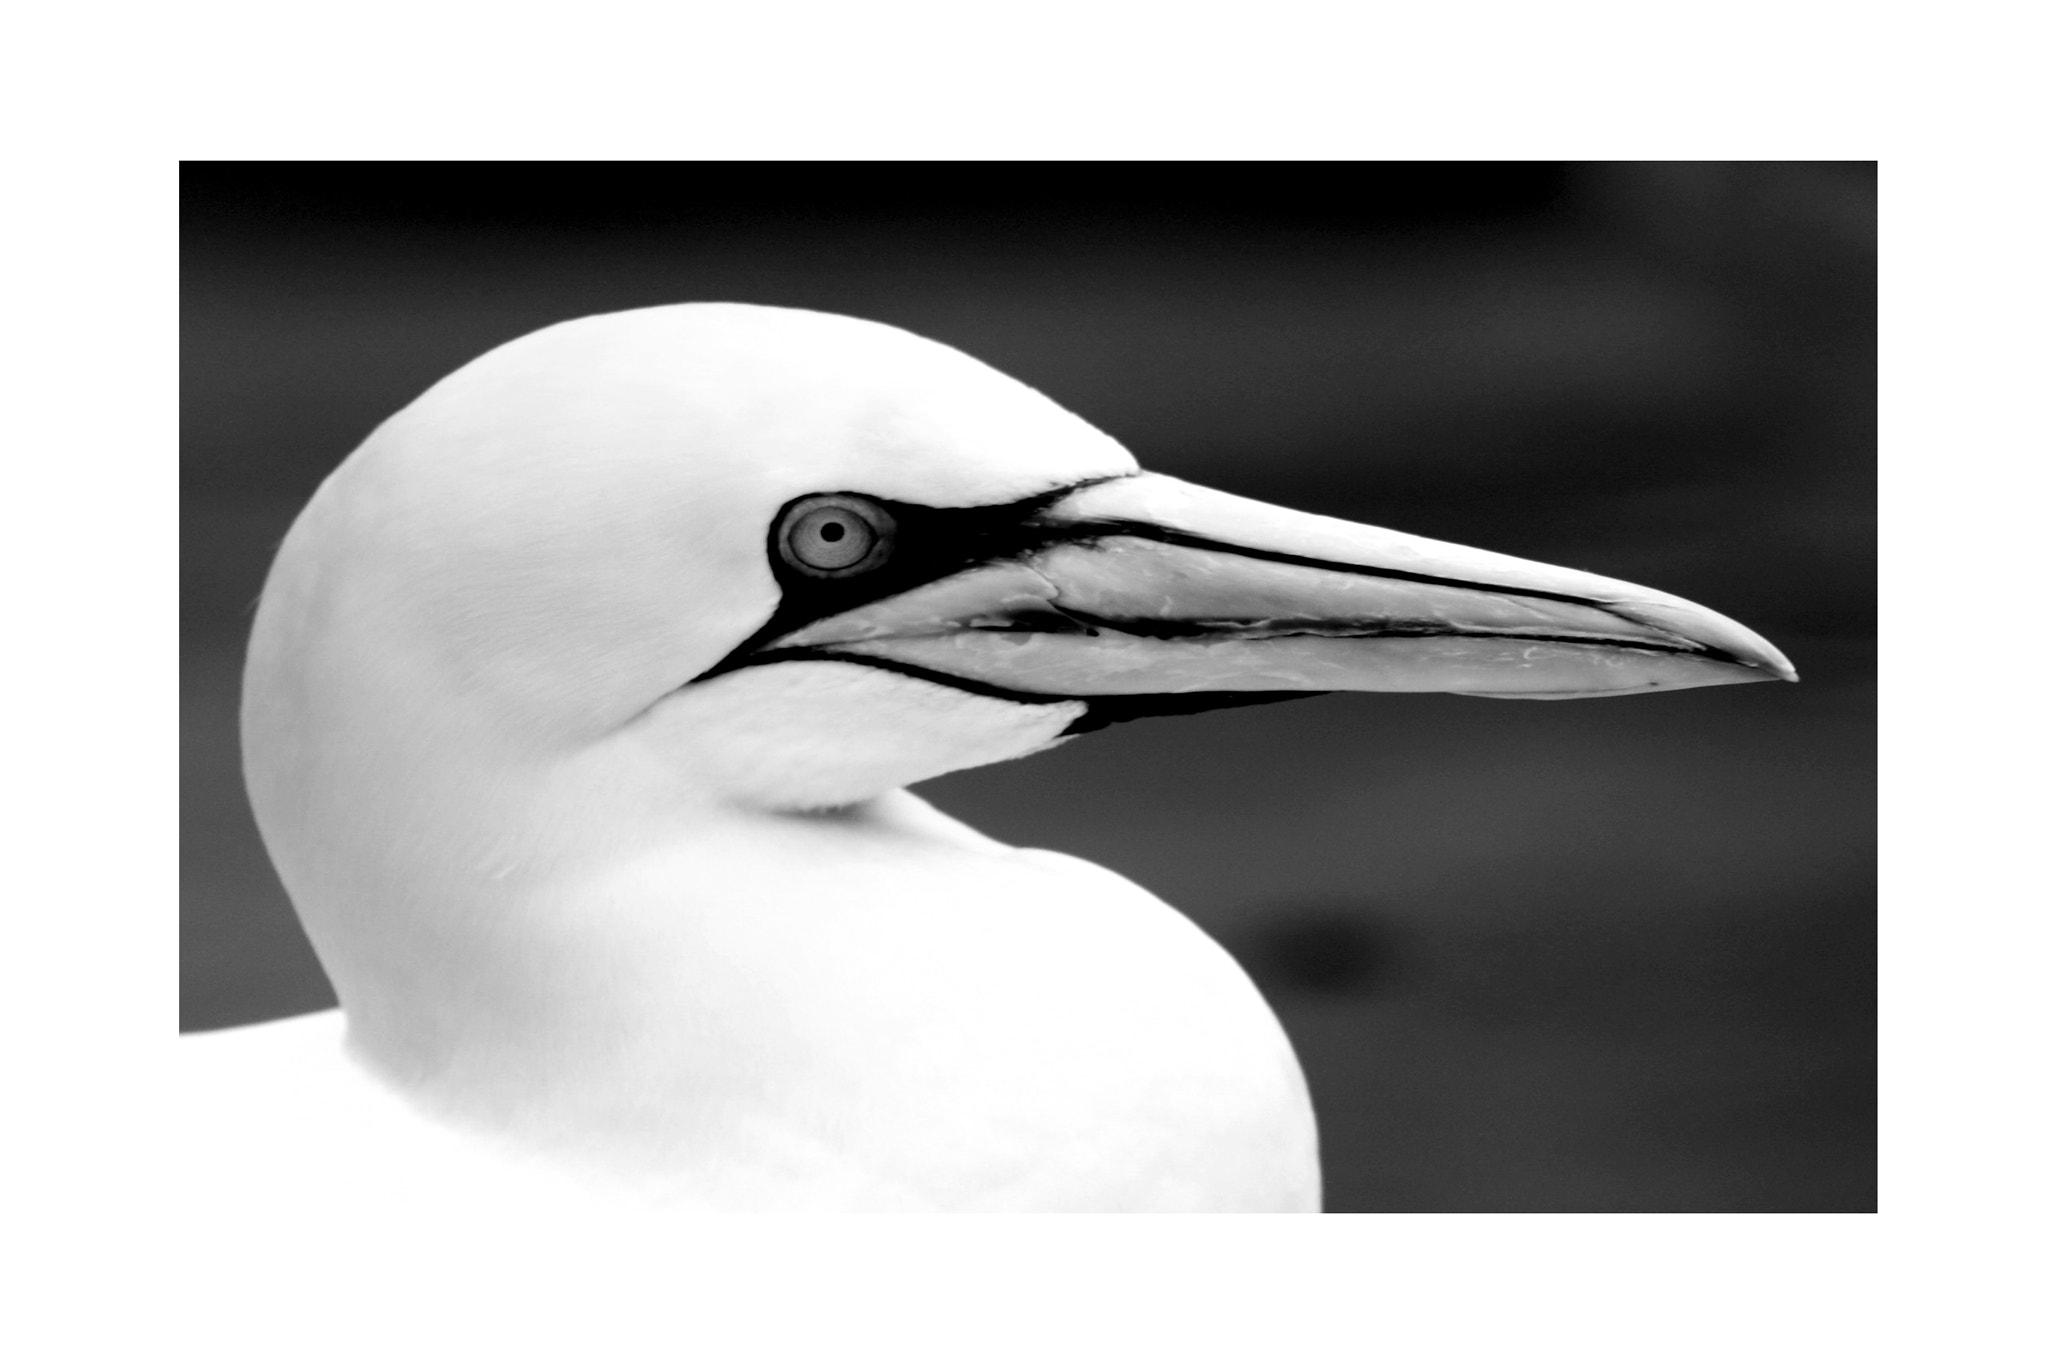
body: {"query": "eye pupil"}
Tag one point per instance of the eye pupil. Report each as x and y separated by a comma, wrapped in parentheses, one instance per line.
(832, 530)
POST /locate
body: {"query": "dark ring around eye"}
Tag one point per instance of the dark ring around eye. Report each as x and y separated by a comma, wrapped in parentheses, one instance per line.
(835, 535)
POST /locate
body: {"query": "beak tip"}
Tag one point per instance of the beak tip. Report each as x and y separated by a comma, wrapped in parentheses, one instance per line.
(1765, 665)
(1735, 643)
(1773, 664)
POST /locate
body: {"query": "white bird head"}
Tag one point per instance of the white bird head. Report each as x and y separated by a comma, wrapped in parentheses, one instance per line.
(555, 542)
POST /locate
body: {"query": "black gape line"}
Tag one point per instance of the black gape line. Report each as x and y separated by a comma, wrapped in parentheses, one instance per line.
(1104, 709)
(927, 544)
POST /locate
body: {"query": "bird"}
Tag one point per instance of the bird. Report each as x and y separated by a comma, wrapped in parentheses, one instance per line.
(579, 710)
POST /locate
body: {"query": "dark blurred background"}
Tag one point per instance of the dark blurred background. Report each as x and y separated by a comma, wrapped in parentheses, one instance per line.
(1599, 956)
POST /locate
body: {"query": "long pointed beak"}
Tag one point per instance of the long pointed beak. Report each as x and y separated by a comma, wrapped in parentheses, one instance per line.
(1149, 585)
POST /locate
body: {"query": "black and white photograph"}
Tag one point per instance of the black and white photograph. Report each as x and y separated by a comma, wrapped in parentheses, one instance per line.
(1196, 687)
(831, 669)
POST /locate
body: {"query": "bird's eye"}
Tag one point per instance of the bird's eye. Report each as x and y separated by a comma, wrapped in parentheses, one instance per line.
(835, 535)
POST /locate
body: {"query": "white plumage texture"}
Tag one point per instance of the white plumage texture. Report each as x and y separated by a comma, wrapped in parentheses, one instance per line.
(620, 902)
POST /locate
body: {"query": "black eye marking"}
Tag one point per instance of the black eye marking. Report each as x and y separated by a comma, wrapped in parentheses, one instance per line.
(835, 535)
(833, 551)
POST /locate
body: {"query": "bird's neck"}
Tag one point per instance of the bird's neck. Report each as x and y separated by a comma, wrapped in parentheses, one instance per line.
(651, 1000)
(513, 933)
(874, 1007)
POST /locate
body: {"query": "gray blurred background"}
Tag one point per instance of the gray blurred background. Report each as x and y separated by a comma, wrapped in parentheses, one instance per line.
(1603, 955)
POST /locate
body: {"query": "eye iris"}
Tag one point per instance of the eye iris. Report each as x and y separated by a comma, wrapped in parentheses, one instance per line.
(832, 540)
